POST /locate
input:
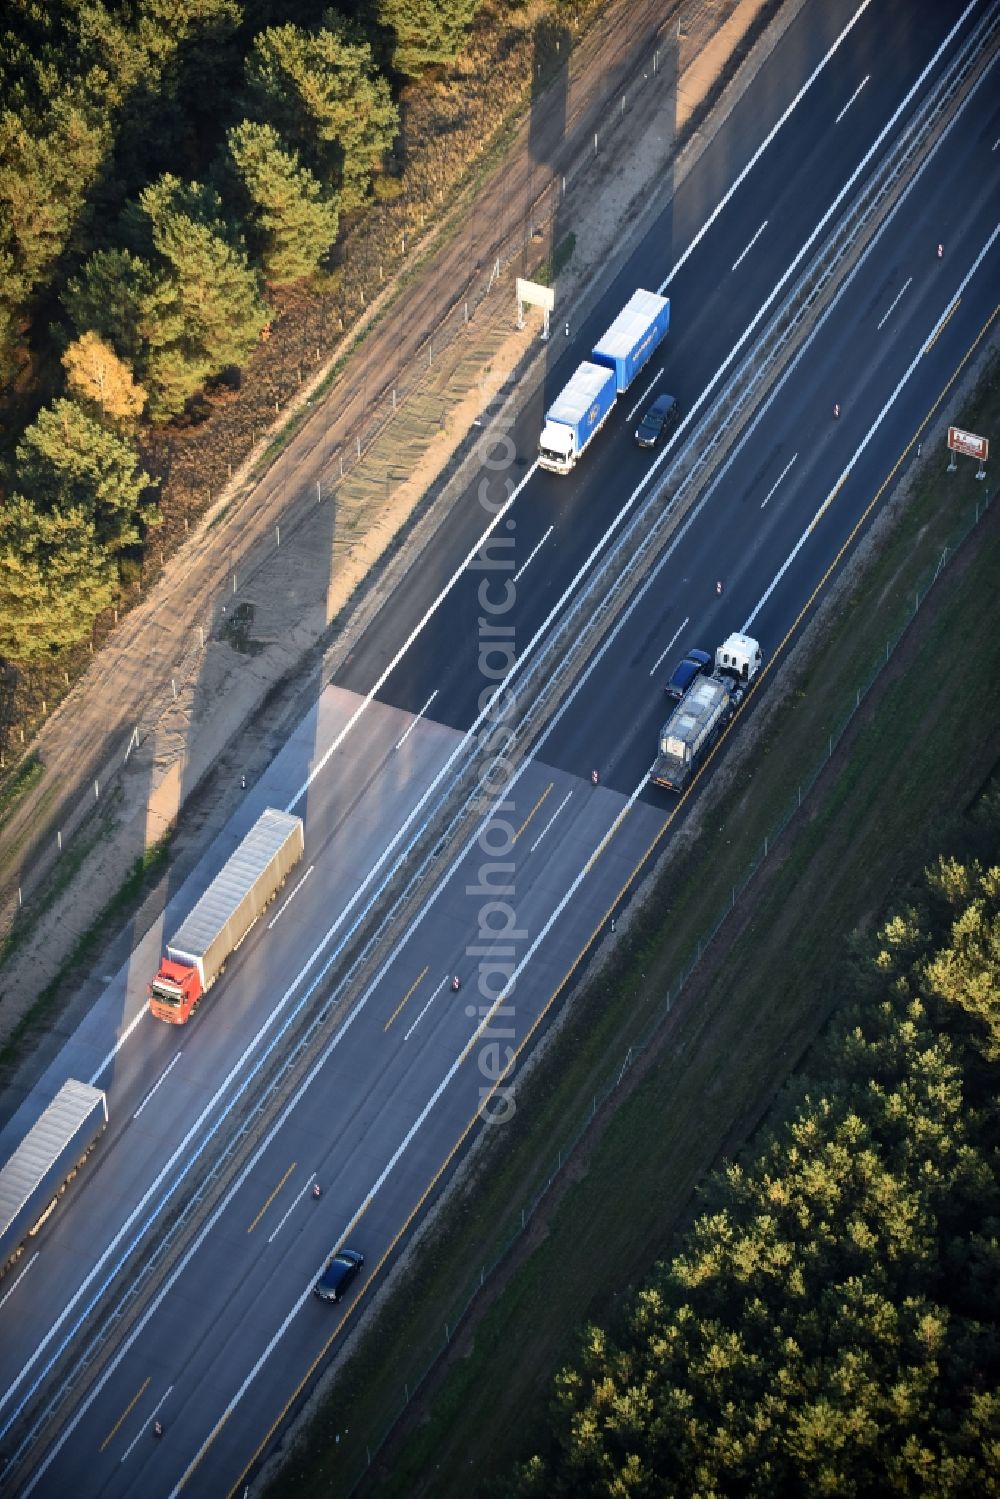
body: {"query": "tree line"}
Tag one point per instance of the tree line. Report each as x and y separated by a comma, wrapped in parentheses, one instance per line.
(829, 1325)
(162, 165)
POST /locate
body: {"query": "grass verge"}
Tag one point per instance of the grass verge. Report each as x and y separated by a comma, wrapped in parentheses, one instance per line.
(26, 775)
(753, 1004)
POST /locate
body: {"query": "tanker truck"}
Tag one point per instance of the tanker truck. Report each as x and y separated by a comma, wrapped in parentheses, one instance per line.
(703, 712)
(249, 879)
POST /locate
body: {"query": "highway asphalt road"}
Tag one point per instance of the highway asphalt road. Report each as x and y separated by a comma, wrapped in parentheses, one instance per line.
(234, 1328)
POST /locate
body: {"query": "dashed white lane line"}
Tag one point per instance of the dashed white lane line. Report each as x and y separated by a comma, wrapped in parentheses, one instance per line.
(669, 646)
(532, 554)
(292, 894)
(852, 98)
(740, 258)
(159, 1083)
(778, 480)
(551, 820)
(888, 315)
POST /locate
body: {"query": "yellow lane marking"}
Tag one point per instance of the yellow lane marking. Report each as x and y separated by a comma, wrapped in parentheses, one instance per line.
(533, 811)
(406, 997)
(272, 1197)
(128, 1409)
(942, 325)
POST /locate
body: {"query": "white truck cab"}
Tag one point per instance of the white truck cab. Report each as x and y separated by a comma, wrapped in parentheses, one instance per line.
(738, 657)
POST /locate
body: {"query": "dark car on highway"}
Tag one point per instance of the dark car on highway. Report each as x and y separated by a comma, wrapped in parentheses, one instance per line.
(661, 415)
(684, 673)
(341, 1270)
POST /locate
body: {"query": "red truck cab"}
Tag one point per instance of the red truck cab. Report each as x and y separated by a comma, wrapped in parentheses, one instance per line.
(174, 992)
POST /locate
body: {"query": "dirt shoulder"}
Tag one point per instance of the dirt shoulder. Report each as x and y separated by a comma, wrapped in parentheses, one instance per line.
(225, 706)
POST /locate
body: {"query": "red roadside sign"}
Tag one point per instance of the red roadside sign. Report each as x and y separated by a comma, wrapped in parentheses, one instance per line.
(969, 444)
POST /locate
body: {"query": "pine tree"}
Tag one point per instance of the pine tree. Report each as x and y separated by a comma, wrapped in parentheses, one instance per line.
(181, 303)
(207, 313)
(112, 296)
(966, 970)
(425, 32)
(829, 1324)
(293, 221)
(46, 167)
(68, 463)
(55, 578)
(320, 90)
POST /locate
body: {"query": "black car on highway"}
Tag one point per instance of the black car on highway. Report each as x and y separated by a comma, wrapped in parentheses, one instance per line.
(341, 1271)
(684, 673)
(661, 415)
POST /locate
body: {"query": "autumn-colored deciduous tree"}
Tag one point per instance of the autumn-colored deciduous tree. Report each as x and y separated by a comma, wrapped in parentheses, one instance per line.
(95, 373)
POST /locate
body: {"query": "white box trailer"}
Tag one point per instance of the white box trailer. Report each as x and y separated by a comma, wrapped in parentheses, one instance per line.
(50, 1154)
(249, 879)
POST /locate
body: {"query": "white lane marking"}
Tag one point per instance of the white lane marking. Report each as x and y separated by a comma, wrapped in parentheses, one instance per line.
(740, 258)
(670, 645)
(284, 907)
(533, 553)
(159, 1082)
(870, 434)
(852, 98)
(817, 70)
(143, 1429)
(888, 315)
(291, 1209)
(995, 144)
(551, 820)
(778, 480)
(8, 1294)
(197, 1139)
(630, 415)
(400, 742)
(423, 1012)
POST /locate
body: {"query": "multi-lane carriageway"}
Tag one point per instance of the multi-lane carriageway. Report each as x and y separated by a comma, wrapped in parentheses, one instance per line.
(229, 1328)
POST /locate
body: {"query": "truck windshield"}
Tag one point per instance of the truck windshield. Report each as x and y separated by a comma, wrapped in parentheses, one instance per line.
(166, 996)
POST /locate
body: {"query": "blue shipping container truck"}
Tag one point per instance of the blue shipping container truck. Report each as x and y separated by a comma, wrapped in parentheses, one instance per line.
(44, 1161)
(579, 410)
(633, 336)
(583, 406)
